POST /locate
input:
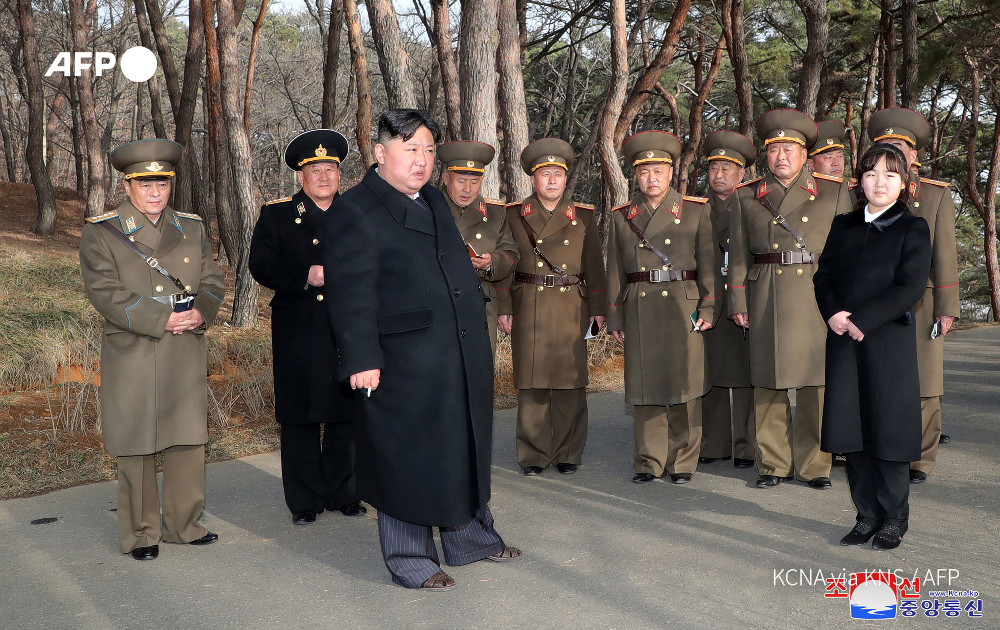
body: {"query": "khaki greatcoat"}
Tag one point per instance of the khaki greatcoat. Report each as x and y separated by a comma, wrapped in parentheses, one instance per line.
(483, 224)
(664, 358)
(154, 384)
(787, 333)
(548, 347)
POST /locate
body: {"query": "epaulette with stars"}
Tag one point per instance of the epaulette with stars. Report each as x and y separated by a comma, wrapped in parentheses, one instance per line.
(188, 215)
(935, 182)
(750, 183)
(829, 178)
(103, 217)
(695, 199)
(274, 201)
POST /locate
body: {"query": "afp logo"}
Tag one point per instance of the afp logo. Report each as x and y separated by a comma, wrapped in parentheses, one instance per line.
(138, 64)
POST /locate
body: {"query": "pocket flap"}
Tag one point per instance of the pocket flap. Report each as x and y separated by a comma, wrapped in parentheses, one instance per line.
(405, 321)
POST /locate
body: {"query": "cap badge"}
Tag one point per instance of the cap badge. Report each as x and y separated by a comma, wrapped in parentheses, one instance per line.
(829, 140)
(889, 130)
(722, 151)
(154, 167)
(781, 133)
(320, 151)
(649, 154)
(470, 164)
(550, 158)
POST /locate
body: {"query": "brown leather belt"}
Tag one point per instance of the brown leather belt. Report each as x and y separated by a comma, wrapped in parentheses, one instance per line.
(658, 275)
(786, 258)
(549, 280)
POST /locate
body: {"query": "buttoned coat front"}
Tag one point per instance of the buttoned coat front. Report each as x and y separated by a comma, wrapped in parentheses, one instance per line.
(664, 357)
(875, 271)
(403, 298)
(154, 384)
(549, 323)
(787, 333)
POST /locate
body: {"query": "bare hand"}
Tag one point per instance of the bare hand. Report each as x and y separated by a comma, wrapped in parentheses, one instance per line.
(366, 379)
(946, 322)
(504, 322)
(619, 336)
(315, 275)
(702, 325)
(854, 331)
(600, 319)
(482, 262)
(742, 320)
(177, 323)
(838, 323)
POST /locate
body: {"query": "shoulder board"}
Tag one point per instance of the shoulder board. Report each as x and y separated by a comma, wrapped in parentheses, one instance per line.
(103, 217)
(585, 206)
(750, 183)
(516, 204)
(935, 182)
(622, 207)
(828, 178)
(852, 183)
(188, 215)
(495, 202)
(282, 200)
(695, 199)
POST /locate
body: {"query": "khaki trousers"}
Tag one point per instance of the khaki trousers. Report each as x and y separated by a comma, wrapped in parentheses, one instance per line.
(786, 444)
(551, 426)
(667, 439)
(183, 498)
(930, 414)
(728, 428)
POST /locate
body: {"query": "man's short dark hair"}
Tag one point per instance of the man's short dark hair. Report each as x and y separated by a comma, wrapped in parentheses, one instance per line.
(403, 123)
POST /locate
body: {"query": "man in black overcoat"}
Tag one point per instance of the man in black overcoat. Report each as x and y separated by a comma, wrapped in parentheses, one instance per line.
(409, 318)
(317, 472)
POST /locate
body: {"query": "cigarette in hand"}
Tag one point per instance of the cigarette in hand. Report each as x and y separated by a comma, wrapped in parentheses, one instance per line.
(369, 392)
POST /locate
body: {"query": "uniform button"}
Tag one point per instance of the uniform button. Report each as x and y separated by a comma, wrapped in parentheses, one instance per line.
(540, 289)
(479, 236)
(642, 294)
(457, 292)
(563, 289)
(798, 272)
(186, 259)
(298, 220)
(484, 219)
(187, 287)
(642, 269)
(774, 222)
(665, 293)
(665, 267)
(727, 241)
(464, 332)
(185, 237)
(677, 220)
(573, 222)
(159, 288)
(812, 197)
(539, 241)
(564, 265)
(805, 219)
(640, 245)
(916, 204)
(566, 242)
(315, 241)
(541, 264)
(131, 238)
(777, 271)
(666, 242)
(441, 254)
(319, 297)
(774, 246)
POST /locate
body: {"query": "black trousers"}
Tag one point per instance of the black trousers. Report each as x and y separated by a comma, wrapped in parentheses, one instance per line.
(880, 489)
(317, 474)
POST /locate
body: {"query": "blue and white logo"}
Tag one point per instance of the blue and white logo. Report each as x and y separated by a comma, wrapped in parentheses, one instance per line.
(873, 599)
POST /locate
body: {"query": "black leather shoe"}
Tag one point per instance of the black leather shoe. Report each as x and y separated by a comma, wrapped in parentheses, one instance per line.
(207, 539)
(642, 477)
(304, 518)
(707, 460)
(861, 534)
(353, 509)
(820, 483)
(566, 469)
(680, 478)
(146, 553)
(888, 537)
(739, 462)
(532, 471)
(944, 439)
(917, 476)
(768, 481)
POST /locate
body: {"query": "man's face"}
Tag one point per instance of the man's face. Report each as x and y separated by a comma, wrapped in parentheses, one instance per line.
(654, 179)
(549, 183)
(462, 188)
(724, 176)
(148, 196)
(828, 163)
(908, 152)
(406, 164)
(785, 159)
(320, 180)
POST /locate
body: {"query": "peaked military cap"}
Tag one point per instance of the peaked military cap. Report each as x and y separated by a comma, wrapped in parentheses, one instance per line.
(316, 145)
(651, 147)
(786, 125)
(466, 156)
(547, 152)
(899, 123)
(730, 146)
(831, 136)
(155, 157)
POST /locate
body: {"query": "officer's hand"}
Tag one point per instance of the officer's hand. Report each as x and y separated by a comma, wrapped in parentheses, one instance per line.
(176, 323)
(619, 336)
(315, 276)
(482, 262)
(504, 322)
(854, 331)
(946, 322)
(600, 319)
(703, 325)
(366, 379)
(742, 320)
(838, 323)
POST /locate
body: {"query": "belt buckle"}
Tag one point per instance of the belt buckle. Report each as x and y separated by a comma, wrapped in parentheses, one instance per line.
(152, 262)
(548, 281)
(654, 275)
(786, 257)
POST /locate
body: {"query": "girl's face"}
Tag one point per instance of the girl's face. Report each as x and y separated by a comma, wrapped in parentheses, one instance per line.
(881, 186)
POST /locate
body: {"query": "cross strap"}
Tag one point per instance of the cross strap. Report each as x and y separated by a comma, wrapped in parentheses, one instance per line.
(538, 252)
(799, 241)
(647, 244)
(149, 260)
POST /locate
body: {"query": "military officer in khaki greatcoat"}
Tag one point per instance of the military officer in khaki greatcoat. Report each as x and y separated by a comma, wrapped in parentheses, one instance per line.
(661, 295)
(482, 222)
(727, 427)
(779, 228)
(826, 155)
(908, 131)
(557, 295)
(154, 384)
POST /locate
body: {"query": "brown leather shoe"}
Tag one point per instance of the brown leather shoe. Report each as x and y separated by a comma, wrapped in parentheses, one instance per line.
(508, 554)
(440, 581)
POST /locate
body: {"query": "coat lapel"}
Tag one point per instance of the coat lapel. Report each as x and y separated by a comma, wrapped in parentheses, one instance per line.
(535, 214)
(468, 216)
(138, 228)
(402, 207)
(560, 218)
(670, 208)
(171, 233)
(721, 213)
(798, 194)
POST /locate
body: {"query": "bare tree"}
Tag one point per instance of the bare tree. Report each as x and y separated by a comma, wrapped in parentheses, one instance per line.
(908, 90)
(478, 40)
(441, 36)
(332, 64)
(82, 17)
(817, 33)
(392, 56)
(887, 37)
(615, 188)
(514, 121)
(732, 26)
(703, 82)
(359, 63)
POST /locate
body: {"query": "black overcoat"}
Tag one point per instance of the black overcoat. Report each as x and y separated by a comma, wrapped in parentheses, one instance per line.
(405, 299)
(877, 272)
(284, 245)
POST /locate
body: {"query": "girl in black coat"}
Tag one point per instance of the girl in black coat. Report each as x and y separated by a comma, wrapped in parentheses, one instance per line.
(872, 271)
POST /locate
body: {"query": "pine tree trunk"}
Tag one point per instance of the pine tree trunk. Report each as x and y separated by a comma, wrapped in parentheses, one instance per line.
(477, 74)
(515, 185)
(449, 72)
(817, 18)
(81, 19)
(392, 57)
(359, 63)
(332, 64)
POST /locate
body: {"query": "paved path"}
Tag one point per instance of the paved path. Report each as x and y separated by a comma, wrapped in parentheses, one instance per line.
(600, 552)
